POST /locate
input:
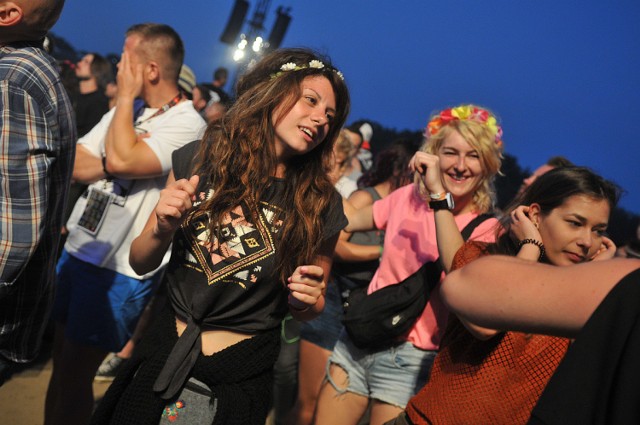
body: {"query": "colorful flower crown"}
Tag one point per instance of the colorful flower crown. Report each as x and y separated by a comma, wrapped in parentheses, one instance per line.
(465, 112)
(291, 66)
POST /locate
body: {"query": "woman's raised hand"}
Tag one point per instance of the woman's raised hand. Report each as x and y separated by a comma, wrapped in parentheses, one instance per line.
(522, 226)
(306, 285)
(428, 166)
(175, 200)
(607, 250)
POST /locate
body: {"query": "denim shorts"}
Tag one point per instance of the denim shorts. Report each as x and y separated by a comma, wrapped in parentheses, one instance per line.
(324, 330)
(99, 307)
(392, 375)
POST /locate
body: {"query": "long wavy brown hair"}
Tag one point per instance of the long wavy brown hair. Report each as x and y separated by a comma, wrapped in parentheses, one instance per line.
(239, 157)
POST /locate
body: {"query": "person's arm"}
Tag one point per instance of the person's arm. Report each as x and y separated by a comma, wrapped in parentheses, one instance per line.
(128, 155)
(25, 170)
(448, 235)
(523, 228)
(87, 167)
(508, 293)
(349, 251)
(307, 285)
(359, 219)
(149, 248)
(352, 252)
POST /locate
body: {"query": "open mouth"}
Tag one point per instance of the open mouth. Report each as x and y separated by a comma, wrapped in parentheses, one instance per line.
(306, 131)
(458, 178)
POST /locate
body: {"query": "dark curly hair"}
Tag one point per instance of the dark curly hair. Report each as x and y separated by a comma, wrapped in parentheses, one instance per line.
(239, 154)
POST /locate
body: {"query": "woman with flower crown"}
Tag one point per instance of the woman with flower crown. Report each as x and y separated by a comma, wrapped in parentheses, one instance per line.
(252, 219)
(453, 172)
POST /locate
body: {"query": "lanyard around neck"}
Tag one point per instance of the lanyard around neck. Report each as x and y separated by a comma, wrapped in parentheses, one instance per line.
(164, 108)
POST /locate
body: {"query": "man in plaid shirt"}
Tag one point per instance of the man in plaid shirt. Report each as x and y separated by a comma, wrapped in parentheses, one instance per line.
(37, 148)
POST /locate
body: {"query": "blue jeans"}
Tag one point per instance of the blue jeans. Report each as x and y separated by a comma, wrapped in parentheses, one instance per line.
(392, 375)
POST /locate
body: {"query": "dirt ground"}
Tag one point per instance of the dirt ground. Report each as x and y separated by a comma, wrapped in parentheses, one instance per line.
(22, 397)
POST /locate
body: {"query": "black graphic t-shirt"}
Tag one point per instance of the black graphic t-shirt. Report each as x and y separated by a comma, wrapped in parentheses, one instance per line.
(232, 285)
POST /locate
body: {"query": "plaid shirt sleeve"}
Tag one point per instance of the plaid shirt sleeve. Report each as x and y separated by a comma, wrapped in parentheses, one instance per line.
(25, 174)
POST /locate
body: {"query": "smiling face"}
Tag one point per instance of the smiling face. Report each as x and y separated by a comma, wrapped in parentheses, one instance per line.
(306, 125)
(572, 233)
(461, 169)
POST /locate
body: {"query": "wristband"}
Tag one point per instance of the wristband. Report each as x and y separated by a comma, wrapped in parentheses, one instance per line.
(533, 242)
(299, 310)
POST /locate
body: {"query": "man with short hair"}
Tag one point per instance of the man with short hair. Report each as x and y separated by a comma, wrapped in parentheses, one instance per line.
(553, 162)
(125, 159)
(220, 76)
(37, 144)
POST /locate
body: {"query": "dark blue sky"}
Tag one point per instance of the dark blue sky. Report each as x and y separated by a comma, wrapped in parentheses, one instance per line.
(562, 76)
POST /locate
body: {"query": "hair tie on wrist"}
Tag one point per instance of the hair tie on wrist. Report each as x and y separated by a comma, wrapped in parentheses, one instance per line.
(539, 244)
(299, 310)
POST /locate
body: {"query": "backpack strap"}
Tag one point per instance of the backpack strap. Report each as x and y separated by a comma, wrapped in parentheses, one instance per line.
(434, 269)
(469, 228)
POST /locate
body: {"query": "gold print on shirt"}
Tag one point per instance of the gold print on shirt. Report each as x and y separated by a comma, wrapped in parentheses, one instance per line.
(240, 253)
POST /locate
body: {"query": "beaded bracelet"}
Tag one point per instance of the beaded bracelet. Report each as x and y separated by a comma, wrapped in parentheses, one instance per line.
(534, 242)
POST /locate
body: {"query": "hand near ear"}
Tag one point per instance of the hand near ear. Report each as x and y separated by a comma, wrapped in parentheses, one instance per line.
(523, 225)
(607, 250)
(428, 166)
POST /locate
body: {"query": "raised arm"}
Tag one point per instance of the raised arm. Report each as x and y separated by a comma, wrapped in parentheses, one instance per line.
(508, 293)
(447, 233)
(126, 153)
(149, 248)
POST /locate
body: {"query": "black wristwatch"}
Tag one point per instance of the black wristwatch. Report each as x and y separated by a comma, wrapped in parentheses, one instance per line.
(443, 204)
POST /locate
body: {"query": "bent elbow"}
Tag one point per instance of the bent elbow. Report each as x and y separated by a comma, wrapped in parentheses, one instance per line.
(139, 266)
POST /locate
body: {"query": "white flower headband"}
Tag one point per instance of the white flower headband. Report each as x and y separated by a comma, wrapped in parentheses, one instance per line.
(292, 66)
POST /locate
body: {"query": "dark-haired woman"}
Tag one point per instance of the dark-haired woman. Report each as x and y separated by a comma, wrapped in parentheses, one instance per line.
(253, 220)
(485, 376)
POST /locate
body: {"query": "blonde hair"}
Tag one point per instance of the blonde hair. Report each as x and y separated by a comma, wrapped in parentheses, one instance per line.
(344, 146)
(480, 137)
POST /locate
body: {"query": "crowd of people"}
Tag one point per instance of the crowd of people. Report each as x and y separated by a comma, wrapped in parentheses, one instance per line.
(201, 250)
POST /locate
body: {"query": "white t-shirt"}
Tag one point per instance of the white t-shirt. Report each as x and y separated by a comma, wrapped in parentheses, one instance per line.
(345, 186)
(119, 209)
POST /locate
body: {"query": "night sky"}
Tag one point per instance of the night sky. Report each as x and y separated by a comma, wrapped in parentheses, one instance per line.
(563, 77)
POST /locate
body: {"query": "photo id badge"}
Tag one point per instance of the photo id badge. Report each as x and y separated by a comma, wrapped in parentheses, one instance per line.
(94, 211)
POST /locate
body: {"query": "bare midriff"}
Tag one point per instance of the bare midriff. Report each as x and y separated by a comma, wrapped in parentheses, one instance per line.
(214, 340)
